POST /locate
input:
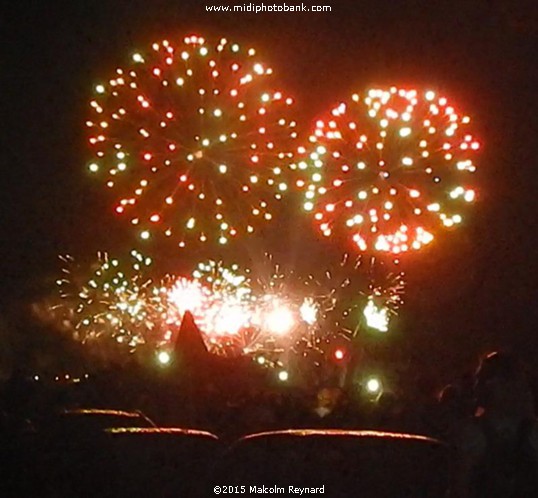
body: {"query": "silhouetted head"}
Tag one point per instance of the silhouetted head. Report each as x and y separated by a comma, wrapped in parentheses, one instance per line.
(501, 385)
(449, 395)
(498, 365)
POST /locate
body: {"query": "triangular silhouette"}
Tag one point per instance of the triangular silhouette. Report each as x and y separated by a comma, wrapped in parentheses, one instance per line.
(189, 343)
(200, 368)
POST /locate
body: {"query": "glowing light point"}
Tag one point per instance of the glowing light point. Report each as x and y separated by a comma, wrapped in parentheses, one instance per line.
(376, 318)
(430, 95)
(279, 320)
(373, 385)
(309, 311)
(469, 196)
(283, 376)
(164, 357)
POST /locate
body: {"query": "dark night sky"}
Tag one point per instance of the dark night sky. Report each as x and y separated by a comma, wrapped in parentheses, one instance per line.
(475, 289)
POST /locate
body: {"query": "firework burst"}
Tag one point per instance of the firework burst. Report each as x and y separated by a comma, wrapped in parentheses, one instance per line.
(227, 321)
(335, 291)
(111, 299)
(384, 297)
(221, 303)
(388, 168)
(343, 291)
(195, 138)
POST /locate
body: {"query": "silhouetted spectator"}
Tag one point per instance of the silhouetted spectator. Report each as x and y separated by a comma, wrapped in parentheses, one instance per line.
(18, 394)
(390, 412)
(498, 447)
(329, 410)
(453, 409)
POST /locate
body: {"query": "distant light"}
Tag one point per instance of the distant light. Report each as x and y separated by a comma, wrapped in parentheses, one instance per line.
(164, 357)
(283, 375)
(339, 354)
(373, 385)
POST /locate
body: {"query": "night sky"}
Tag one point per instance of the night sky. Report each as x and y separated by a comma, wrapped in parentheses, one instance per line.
(474, 289)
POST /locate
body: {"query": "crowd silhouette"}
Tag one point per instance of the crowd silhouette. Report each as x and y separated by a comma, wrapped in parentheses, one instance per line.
(487, 418)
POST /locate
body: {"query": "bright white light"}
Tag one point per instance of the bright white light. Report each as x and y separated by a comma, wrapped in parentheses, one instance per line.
(430, 95)
(279, 318)
(469, 195)
(309, 311)
(187, 295)
(164, 357)
(373, 385)
(283, 375)
(227, 318)
(376, 318)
